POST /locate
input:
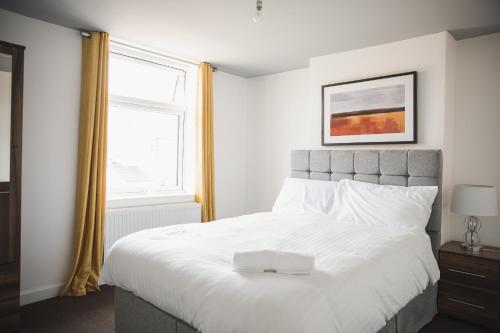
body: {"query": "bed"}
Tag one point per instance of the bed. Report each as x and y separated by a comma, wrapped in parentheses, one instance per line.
(149, 299)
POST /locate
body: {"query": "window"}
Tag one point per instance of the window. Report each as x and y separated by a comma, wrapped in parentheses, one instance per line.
(151, 99)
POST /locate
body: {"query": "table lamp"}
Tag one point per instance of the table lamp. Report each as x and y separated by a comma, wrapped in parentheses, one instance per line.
(474, 201)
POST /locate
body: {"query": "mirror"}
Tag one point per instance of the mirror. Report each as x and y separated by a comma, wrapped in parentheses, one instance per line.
(5, 112)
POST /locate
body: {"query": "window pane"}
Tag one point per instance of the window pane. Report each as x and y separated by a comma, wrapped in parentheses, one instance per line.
(142, 151)
(136, 78)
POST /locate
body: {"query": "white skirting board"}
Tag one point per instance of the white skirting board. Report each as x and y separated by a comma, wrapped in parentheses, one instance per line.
(40, 294)
(121, 222)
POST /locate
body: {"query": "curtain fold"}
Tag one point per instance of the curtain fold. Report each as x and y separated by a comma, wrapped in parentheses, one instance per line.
(91, 175)
(205, 180)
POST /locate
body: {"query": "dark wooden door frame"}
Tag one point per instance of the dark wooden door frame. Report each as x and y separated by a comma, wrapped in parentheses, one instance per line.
(10, 271)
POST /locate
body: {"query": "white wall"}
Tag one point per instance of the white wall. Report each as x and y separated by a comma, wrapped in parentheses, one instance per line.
(285, 108)
(278, 114)
(448, 144)
(50, 131)
(426, 55)
(477, 120)
(230, 126)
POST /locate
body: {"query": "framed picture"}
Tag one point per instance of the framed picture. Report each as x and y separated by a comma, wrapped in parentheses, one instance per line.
(370, 111)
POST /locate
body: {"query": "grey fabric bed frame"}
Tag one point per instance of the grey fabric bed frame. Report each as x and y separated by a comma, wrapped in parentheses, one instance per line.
(390, 167)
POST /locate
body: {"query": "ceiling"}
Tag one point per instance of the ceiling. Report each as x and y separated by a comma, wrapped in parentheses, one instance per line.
(222, 31)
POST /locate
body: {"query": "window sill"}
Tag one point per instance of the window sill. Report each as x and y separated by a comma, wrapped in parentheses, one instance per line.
(153, 200)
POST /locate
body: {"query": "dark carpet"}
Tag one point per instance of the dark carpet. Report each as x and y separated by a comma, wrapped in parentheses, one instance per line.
(94, 314)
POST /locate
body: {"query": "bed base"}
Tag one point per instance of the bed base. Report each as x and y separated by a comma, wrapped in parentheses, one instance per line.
(133, 314)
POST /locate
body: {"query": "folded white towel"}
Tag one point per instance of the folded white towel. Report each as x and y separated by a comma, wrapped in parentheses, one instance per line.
(273, 261)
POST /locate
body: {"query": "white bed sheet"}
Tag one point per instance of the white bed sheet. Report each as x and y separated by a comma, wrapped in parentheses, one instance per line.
(364, 274)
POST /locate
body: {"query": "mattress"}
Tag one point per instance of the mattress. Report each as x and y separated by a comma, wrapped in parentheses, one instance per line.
(364, 274)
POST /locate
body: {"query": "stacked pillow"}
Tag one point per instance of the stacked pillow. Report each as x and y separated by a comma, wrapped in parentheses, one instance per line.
(358, 202)
(306, 196)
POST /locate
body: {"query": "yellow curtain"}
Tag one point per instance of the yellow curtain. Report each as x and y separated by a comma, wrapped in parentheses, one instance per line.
(205, 180)
(91, 181)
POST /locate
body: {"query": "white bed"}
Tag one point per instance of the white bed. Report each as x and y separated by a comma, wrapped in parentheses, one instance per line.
(364, 274)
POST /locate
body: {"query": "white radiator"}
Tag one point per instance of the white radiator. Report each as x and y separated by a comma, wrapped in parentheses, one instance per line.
(123, 221)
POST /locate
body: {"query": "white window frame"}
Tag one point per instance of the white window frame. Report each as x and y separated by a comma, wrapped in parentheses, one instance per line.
(178, 193)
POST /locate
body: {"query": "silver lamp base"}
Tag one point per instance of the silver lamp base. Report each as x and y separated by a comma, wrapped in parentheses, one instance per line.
(472, 248)
(472, 241)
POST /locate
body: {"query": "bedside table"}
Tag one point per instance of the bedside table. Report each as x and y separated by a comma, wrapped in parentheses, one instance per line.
(469, 288)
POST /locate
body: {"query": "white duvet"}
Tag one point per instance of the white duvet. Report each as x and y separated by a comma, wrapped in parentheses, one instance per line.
(364, 274)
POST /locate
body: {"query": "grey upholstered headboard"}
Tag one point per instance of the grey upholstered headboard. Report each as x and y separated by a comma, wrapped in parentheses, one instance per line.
(389, 167)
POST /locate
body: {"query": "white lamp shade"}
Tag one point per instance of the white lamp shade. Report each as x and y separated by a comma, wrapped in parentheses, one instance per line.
(474, 200)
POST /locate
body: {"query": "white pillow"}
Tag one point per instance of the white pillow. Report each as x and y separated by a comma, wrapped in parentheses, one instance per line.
(305, 196)
(384, 205)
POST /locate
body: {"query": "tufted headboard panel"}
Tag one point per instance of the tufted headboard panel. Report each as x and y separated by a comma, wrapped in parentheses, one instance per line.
(388, 167)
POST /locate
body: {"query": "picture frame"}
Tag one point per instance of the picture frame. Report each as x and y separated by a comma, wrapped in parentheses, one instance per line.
(376, 110)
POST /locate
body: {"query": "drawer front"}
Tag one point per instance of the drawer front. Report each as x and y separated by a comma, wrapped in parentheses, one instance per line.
(470, 271)
(469, 304)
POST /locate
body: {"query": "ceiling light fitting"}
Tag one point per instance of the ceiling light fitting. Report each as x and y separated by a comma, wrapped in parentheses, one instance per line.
(258, 14)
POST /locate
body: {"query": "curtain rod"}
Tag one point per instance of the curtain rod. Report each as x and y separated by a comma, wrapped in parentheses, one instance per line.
(87, 34)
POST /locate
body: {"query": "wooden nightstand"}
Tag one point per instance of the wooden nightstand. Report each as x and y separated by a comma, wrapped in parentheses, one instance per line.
(469, 288)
